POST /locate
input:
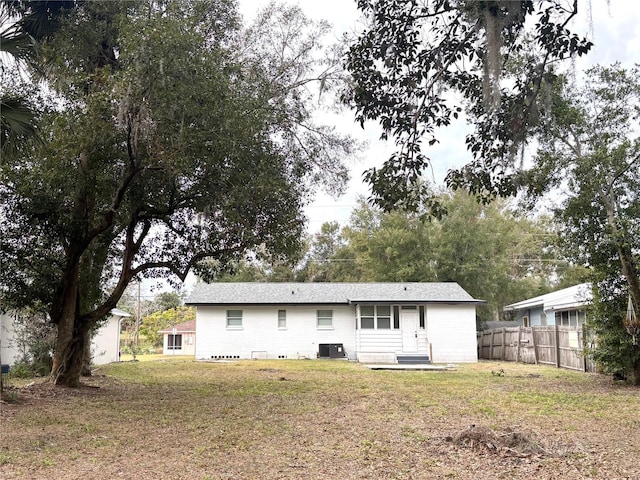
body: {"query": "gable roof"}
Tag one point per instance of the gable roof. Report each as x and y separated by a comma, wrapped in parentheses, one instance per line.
(568, 298)
(185, 327)
(327, 293)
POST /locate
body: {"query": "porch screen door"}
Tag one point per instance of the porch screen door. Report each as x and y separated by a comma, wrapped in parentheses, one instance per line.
(409, 326)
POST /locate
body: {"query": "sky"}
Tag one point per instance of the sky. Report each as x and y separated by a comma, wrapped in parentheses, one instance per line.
(613, 26)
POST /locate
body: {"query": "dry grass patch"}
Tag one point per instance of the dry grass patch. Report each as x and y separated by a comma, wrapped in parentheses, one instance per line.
(322, 419)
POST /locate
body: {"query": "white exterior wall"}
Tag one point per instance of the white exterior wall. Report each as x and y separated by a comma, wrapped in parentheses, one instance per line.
(105, 344)
(9, 353)
(451, 330)
(380, 341)
(389, 341)
(260, 336)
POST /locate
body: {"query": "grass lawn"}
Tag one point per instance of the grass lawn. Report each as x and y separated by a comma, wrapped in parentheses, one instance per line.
(313, 419)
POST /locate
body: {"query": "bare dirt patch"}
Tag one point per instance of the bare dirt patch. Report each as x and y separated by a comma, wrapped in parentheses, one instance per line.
(510, 442)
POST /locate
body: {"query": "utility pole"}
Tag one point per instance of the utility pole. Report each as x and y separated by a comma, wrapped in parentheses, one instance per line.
(138, 319)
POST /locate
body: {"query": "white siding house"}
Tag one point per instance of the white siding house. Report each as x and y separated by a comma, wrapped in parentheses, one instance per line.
(368, 322)
(9, 352)
(448, 328)
(105, 344)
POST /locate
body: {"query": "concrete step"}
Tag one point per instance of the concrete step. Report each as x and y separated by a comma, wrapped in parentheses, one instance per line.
(413, 359)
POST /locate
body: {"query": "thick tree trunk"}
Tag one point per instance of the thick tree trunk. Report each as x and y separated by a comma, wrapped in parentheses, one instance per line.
(66, 325)
(86, 356)
(636, 373)
(68, 361)
(627, 262)
(71, 338)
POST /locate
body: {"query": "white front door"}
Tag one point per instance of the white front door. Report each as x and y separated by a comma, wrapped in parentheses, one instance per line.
(409, 326)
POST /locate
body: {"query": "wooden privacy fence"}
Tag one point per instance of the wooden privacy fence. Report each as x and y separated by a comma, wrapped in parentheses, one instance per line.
(562, 347)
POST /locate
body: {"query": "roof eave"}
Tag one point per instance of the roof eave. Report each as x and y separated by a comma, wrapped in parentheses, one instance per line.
(348, 302)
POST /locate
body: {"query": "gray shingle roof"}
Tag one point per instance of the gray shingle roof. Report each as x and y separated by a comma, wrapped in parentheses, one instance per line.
(326, 293)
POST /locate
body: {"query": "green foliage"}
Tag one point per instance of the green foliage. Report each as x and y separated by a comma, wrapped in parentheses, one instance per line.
(417, 65)
(322, 249)
(613, 347)
(17, 115)
(35, 339)
(494, 254)
(25, 369)
(177, 138)
(590, 150)
(152, 324)
(167, 300)
(489, 250)
(17, 122)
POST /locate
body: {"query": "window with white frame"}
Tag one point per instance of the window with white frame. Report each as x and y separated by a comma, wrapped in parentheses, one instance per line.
(234, 318)
(570, 318)
(562, 318)
(367, 317)
(282, 319)
(383, 317)
(174, 342)
(582, 317)
(324, 318)
(375, 317)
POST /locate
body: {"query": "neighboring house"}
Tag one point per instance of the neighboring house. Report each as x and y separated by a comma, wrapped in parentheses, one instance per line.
(9, 352)
(105, 345)
(368, 322)
(179, 339)
(564, 307)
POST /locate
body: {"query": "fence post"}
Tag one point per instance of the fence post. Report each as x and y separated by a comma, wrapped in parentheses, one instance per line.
(581, 341)
(504, 347)
(518, 346)
(493, 333)
(533, 342)
(557, 342)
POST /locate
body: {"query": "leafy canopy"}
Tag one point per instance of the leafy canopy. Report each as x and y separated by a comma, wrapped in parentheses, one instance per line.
(492, 252)
(152, 324)
(174, 140)
(589, 151)
(417, 66)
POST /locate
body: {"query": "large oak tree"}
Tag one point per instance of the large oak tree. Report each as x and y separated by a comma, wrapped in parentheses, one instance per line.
(589, 157)
(171, 139)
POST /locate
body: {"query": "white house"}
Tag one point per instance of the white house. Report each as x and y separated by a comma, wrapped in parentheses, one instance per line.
(566, 307)
(105, 345)
(9, 351)
(179, 339)
(368, 322)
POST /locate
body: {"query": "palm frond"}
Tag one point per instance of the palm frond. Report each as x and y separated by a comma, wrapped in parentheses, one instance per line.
(17, 122)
